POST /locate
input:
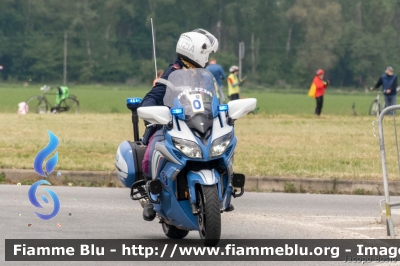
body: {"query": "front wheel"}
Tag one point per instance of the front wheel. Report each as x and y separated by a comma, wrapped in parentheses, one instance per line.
(174, 232)
(374, 109)
(209, 217)
(37, 104)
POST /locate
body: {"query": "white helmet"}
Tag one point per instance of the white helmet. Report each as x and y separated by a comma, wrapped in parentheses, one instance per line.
(233, 68)
(195, 46)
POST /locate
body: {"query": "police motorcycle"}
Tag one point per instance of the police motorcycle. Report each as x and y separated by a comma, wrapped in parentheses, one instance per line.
(192, 176)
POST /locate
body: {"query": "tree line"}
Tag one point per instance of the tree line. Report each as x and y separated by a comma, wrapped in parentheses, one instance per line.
(286, 41)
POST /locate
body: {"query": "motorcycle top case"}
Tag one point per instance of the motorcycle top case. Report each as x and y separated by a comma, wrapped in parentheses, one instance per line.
(128, 162)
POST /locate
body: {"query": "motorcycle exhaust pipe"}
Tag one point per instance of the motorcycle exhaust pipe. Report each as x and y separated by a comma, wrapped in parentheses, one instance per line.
(133, 104)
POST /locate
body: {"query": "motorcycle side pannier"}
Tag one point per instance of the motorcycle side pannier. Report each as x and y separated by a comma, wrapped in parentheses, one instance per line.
(128, 162)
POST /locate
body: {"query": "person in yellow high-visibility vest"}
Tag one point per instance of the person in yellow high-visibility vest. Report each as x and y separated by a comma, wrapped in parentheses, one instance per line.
(234, 83)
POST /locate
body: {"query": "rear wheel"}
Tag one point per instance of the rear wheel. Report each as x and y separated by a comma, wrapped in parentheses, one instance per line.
(174, 232)
(209, 217)
(37, 104)
(374, 108)
(71, 104)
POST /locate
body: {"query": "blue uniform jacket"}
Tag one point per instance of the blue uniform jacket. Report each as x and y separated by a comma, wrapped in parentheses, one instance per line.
(218, 73)
(155, 97)
(387, 82)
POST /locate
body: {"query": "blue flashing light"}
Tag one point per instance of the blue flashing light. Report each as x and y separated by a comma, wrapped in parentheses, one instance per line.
(177, 111)
(133, 100)
(223, 107)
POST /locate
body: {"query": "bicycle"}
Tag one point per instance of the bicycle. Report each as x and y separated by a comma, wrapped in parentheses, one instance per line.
(376, 106)
(40, 104)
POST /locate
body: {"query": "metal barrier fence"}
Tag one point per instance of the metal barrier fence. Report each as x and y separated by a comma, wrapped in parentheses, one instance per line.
(388, 203)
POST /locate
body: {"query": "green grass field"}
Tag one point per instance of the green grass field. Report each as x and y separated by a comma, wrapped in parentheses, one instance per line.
(111, 99)
(92, 99)
(284, 139)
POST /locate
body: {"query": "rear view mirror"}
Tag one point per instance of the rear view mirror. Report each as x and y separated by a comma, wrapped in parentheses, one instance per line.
(155, 114)
(242, 107)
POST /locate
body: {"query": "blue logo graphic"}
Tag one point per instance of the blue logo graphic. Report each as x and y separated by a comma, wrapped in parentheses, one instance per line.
(50, 165)
(34, 201)
(52, 162)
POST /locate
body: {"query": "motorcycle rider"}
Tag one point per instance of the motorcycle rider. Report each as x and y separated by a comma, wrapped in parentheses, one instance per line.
(192, 50)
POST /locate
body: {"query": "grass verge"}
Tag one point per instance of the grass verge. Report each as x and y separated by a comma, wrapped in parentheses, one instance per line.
(341, 147)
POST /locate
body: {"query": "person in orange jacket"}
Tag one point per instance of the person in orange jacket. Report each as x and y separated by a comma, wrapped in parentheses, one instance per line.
(320, 86)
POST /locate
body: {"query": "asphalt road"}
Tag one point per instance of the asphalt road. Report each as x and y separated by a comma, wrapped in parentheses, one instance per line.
(109, 213)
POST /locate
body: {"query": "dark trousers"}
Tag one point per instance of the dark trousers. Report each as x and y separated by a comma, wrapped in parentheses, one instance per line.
(389, 101)
(234, 96)
(320, 102)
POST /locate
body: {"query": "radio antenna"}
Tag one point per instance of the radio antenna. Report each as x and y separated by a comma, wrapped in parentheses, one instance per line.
(154, 46)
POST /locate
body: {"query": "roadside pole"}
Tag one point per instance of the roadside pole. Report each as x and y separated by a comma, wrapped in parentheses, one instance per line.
(241, 56)
(65, 59)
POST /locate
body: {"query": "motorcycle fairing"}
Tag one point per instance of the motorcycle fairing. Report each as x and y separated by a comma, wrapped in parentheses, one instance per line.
(203, 177)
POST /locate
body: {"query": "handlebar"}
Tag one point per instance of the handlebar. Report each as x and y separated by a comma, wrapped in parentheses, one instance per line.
(45, 88)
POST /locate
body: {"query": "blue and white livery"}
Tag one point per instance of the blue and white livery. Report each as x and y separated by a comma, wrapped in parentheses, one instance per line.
(192, 175)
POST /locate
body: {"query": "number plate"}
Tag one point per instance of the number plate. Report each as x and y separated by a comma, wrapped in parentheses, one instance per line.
(197, 103)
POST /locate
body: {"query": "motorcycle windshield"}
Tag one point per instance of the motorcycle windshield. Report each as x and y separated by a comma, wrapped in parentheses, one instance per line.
(193, 90)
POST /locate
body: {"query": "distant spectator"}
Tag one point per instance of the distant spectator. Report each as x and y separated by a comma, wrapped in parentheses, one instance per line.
(388, 81)
(234, 83)
(159, 73)
(217, 71)
(317, 90)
